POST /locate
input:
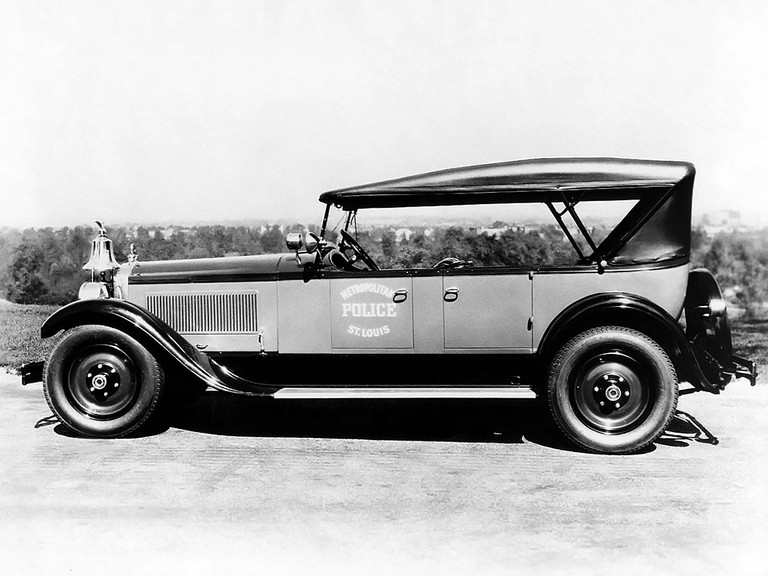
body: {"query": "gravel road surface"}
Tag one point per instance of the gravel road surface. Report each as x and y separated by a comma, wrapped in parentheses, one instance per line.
(235, 486)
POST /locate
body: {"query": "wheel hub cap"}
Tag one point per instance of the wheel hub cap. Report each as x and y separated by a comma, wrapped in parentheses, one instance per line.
(609, 394)
(611, 391)
(102, 382)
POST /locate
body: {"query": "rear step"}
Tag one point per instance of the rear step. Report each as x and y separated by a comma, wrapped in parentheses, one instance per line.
(405, 392)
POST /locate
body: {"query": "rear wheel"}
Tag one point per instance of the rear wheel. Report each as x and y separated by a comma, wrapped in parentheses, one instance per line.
(612, 390)
(101, 382)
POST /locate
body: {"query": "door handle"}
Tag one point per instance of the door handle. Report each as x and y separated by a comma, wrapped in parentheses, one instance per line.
(400, 296)
(451, 294)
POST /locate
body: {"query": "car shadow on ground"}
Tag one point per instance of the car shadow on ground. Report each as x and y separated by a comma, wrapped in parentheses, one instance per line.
(444, 420)
(491, 421)
(684, 430)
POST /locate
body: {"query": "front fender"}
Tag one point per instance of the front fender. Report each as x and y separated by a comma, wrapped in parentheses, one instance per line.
(154, 334)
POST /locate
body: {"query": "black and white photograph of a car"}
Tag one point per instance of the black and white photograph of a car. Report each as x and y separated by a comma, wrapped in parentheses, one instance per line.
(598, 337)
(383, 288)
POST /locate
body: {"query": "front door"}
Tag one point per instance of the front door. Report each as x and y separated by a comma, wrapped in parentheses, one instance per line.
(487, 310)
(372, 313)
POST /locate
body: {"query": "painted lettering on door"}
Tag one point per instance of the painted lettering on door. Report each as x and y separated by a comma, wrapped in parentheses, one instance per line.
(383, 308)
(372, 313)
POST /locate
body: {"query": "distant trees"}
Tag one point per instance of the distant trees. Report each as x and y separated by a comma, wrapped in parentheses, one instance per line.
(45, 265)
(424, 247)
(739, 261)
(25, 276)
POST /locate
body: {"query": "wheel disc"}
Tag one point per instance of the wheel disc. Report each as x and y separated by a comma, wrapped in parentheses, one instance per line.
(102, 382)
(608, 393)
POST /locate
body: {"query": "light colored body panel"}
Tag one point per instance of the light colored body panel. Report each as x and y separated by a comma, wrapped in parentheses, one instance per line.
(224, 305)
(359, 316)
(428, 314)
(553, 292)
(487, 311)
(304, 316)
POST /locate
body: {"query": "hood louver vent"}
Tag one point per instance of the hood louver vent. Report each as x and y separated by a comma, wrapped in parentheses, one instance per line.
(206, 313)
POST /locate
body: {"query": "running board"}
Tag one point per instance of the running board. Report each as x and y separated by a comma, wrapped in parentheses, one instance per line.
(405, 392)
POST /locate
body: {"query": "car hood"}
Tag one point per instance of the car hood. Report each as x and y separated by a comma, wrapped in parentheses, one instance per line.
(236, 268)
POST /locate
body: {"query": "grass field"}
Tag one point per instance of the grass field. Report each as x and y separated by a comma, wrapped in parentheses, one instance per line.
(750, 340)
(20, 336)
(20, 340)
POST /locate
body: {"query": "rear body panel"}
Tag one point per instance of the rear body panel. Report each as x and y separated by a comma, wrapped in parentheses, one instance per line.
(555, 291)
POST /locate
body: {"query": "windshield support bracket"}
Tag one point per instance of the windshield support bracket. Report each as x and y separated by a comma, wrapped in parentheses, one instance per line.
(325, 220)
(569, 208)
(559, 217)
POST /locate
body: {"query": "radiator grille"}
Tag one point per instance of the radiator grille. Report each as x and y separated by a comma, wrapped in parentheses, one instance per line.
(230, 313)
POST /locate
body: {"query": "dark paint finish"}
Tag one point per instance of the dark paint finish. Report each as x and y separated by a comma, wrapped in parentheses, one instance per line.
(235, 268)
(538, 180)
(656, 229)
(392, 370)
(711, 334)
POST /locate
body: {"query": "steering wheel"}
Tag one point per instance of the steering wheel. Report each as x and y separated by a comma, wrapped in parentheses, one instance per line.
(364, 256)
(452, 262)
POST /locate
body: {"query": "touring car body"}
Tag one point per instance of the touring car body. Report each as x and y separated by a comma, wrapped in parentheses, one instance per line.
(606, 337)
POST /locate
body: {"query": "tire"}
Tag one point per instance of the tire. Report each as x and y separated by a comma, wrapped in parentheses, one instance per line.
(628, 373)
(101, 382)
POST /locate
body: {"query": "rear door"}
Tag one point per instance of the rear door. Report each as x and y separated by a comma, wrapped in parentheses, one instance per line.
(487, 310)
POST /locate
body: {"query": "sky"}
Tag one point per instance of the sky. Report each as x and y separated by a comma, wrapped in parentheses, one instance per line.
(190, 111)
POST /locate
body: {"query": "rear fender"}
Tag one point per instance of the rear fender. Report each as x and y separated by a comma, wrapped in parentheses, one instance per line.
(630, 311)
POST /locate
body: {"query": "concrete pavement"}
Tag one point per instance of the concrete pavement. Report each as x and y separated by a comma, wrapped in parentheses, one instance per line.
(241, 487)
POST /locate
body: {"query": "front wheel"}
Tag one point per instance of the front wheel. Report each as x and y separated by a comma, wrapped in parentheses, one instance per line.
(101, 382)
(612, 390)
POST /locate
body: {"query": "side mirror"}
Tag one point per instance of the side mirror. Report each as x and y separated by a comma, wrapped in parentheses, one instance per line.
(294, 241)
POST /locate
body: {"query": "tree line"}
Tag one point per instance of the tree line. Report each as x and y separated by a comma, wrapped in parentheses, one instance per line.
(45, 266)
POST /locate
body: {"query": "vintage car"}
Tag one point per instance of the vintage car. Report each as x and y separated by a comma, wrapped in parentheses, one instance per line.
(600, 339)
